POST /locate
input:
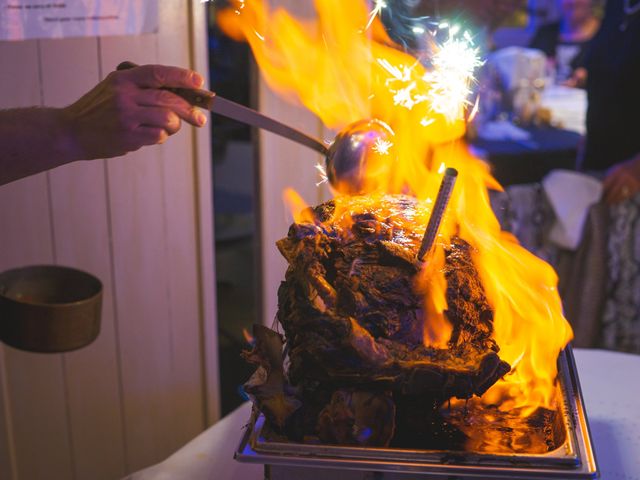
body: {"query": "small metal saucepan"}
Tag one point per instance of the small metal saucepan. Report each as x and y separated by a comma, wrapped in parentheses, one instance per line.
(49, 308)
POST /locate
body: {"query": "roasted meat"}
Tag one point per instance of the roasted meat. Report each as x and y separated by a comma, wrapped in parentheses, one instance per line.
(354, 319)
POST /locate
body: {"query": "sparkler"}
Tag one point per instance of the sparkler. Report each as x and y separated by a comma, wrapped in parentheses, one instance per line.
(450, 81)
(382, 146)
(409, 93)
(322, 171)
(378, 5)
(447, 86)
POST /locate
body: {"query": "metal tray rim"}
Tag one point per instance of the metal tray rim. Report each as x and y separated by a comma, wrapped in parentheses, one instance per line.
(578, 462)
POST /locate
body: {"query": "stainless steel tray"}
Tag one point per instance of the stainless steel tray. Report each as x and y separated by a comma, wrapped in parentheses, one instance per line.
(574, 459)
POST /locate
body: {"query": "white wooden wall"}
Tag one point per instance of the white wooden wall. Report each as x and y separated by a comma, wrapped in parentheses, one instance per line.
(283, 164)
(143, 225)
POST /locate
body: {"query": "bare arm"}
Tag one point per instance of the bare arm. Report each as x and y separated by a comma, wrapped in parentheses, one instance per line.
(32, 140)
(124, 112)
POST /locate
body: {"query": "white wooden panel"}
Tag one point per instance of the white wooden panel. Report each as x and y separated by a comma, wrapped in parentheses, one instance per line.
(7, 452)
(204, 186)
(283, 164)
(34, 384)
(135, 184)
(143, 224)
(181, 236)
(79, 208)
(154, 398)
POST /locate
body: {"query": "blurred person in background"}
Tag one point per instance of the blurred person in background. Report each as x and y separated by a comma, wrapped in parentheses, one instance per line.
(565, 42)
(612, 152)
(613, 88)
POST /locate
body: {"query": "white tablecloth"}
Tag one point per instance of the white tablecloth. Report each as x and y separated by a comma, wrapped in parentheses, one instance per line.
(610, 385)
(568, 107)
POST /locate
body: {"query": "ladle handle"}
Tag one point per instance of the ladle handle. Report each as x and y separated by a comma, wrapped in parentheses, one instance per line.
(251, 117)
(217, 104)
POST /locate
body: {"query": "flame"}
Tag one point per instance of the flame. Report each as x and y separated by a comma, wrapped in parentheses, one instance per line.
(437, 329)
(378, 5)
(297, 206)
(344, 68)
(250, 339)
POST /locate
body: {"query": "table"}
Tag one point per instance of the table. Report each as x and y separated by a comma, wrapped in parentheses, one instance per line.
(610, 385)
(528, 161)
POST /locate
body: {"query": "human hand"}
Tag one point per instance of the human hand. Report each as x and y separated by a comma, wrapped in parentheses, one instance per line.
(622, 181)
(129, 110)
(578, 79)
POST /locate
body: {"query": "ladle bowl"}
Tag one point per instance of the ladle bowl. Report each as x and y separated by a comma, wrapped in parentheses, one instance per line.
(359, 156)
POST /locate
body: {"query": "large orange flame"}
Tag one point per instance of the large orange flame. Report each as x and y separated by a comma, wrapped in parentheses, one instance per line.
(344, 72)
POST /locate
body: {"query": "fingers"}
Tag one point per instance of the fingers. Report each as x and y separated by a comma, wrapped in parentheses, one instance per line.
(149, 126)
(145, 135)
(137, 106)
(618, 187)
(158, 117)
(580, 77)
(166, 99)
(157, 76)
(612, 188)
(613, 194)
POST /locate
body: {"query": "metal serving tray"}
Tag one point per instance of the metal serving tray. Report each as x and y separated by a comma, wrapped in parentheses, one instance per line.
(574, 459)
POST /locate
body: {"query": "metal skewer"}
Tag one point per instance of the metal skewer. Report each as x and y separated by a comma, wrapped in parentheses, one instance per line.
(442, 200)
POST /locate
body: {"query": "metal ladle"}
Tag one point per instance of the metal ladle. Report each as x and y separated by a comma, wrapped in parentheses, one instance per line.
(345, 158)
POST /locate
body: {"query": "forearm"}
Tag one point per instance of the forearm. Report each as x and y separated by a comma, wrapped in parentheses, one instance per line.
(124, 112)
(33, 140)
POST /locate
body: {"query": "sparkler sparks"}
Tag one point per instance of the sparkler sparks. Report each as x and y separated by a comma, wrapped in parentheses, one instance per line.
(401, 73)
(474, 110)
(378, 5)
(408, 94)
(447, 86)
(453, 66)
(382, 146)
(323, 174)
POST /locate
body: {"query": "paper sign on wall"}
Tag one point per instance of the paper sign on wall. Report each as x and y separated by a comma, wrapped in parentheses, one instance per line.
(26, 19)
